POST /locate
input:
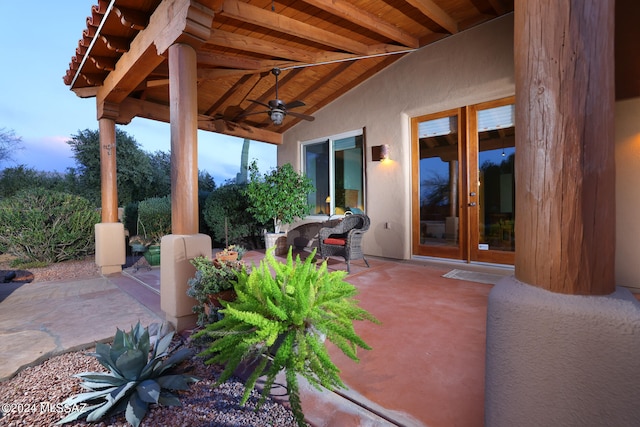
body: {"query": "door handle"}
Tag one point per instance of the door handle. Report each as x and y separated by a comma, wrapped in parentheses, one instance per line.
(472, 204)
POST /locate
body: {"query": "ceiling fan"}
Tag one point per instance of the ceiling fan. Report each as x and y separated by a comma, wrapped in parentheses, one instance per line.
(277, 109)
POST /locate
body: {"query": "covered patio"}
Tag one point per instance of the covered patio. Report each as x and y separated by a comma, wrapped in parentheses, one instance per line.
(428, 359)
(368, 65)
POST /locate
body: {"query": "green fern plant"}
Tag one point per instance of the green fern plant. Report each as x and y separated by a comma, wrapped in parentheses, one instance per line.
(139, 374)
(296, 305)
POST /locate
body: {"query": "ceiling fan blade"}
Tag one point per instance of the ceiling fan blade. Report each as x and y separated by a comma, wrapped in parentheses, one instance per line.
(259, 102)
(232, 112)
(294, 104)
(301, 116)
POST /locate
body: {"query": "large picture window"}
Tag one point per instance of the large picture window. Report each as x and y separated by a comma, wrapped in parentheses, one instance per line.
(336, 168)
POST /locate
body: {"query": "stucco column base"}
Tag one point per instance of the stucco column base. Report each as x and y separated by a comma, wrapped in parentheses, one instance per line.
(111, 252)
(555, 359)
(175, 271)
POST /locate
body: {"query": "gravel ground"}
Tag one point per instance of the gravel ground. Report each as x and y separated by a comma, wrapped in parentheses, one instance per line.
(59, 271)
(35, 393)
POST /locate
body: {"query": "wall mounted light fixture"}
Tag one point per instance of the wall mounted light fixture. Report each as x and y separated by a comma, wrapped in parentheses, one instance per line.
(380, 152)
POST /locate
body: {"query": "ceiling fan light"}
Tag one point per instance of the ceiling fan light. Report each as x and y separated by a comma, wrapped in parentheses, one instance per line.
(277, 116)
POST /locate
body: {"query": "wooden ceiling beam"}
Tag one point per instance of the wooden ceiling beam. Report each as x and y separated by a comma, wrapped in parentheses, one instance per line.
(238, 64)
(311, 89)
(365, 19)
(172, 21)
(131, 107)
(347, 87)
(235, 92)
(255, 45)
(499, 7)
(328, 78)
(436, 14)
(241, 131)
(247, 13)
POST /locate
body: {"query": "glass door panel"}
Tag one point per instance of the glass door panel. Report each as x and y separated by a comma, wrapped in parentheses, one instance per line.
(349, 173)
(316, 167)
(495, 240)
(436, 210)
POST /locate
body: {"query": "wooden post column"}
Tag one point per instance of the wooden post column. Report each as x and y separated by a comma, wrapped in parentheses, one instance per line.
(183, 92)
(110, 253)
(562, 341)
(184, 243)
(565, 193)
(108, 174)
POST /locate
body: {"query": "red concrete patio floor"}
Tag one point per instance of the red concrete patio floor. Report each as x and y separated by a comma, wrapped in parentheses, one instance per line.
(428, 358)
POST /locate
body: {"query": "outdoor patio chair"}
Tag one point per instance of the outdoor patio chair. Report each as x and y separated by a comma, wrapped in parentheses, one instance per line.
(345, 239)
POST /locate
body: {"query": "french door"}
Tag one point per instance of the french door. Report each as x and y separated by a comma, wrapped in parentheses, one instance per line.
(463, 183)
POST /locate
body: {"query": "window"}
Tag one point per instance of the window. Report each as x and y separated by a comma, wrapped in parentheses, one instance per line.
(336, 168)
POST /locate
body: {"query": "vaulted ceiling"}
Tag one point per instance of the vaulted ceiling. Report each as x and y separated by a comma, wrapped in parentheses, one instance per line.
(322, 47)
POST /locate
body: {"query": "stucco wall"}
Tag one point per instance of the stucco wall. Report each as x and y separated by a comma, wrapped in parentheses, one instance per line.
(628, 193)
(464, 69)
(561, 360)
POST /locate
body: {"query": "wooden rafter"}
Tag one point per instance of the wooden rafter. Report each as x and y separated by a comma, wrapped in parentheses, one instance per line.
(237, 41)
(435, 13)
(366, 20)
(250, 44)
(247, 13)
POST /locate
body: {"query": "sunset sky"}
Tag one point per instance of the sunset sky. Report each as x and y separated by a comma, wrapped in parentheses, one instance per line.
(37, 41)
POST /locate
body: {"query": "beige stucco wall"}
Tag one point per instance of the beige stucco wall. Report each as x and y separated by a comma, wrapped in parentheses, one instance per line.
(464, 69)
(627, 193)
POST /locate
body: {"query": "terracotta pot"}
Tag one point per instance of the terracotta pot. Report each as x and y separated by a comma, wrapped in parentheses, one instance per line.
(229, 256)
(228, 295)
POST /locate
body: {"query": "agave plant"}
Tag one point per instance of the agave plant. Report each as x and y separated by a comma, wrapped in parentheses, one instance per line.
(280, 320)
(139, 364)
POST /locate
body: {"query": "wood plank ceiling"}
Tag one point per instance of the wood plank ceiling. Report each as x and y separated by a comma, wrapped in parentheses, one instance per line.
(346, 41)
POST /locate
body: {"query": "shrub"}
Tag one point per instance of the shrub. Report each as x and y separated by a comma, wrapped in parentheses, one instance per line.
(45, 226)
(131, 218)
(229, 203)
(154, 218)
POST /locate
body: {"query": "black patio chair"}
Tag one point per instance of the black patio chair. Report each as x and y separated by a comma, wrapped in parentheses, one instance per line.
(345, 239)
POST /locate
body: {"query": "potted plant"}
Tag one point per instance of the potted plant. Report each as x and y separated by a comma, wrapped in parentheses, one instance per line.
(154, 218)
(231, 253)
(280, 195)
(214, 281)
(280, 319)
